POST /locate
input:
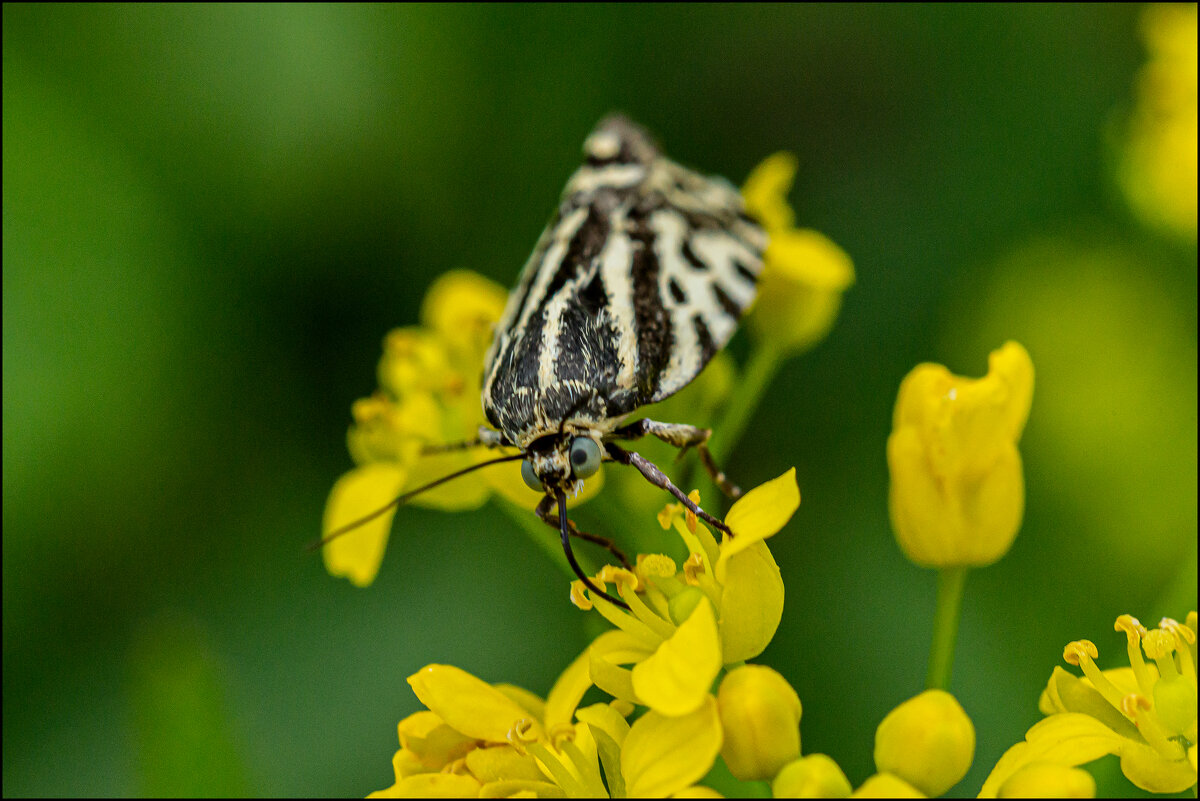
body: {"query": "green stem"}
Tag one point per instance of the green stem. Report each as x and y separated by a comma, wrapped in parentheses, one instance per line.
(764, 363)
(945, 627)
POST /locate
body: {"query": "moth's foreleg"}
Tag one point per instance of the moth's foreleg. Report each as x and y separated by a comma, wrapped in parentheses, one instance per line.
(487, 439)
(567, 529)
(659, 479)
(682, 436)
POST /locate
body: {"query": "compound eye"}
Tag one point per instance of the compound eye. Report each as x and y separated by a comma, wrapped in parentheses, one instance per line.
(531, 479)
(585, 457)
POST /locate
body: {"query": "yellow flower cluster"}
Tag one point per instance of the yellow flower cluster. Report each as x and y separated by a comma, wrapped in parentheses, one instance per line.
(1144, 713)
(684, 627)
(429, 389)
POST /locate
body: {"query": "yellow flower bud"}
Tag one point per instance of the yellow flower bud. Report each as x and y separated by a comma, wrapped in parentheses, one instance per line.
(813, 776)
(804, 272)
(800, 293)
(957, 488)
(1049, 780)
(885, 785)
(928, 741)
(760, 713)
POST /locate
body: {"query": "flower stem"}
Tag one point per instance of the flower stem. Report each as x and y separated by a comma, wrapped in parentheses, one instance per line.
(764, 363)
(945, 627)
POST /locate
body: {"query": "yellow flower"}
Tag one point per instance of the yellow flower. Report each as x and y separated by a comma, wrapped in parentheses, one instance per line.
(429, 379)
(813, 776)
(928, 741)
(1157, 167)
(957, 489)
(495, 740)
(760, 713)
(804, 272)
(1145, 713)
(722, 607)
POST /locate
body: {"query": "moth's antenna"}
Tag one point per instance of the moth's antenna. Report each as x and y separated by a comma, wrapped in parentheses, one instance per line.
(403, 499)
(565, 530)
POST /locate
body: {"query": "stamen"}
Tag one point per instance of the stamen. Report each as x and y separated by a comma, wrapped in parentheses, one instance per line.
(560, 733)
(1160, 646)
(693, 568)
(1185, 638)
(663, 628)
(1139, 709)
(1084, 654)
(579, 596)
(626, 622)
(1134, 631)
(522, 733)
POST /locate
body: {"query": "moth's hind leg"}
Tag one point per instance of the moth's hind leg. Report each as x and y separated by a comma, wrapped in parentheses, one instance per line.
(659, 479)
(682, 436)
(487, 439)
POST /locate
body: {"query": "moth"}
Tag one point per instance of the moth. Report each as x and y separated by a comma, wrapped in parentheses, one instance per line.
(638, 280)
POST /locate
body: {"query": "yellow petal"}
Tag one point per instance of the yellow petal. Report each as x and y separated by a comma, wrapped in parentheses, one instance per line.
(467, 704)
(1149, 770)
(759, 514)
(431, 785)
(463, 307)
(662, 755)
(459, 494)
(800, 293)
(766, 189)
(609, 650)
(428, 739)
(503, 763)
(1067, 739)
(751, 604)
(1047, 780)
(1067, 692)
(567, 692)
(607, 719)
(521, 789)
(676, 679)
(364, 490)
(528, 701)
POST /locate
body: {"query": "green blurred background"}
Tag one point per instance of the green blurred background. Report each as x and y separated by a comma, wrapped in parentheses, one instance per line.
(213, 214)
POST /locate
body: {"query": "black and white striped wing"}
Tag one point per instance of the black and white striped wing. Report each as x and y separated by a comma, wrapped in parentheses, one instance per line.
(637, 282)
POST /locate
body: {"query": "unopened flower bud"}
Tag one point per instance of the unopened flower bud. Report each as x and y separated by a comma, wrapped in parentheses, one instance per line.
(928, 741)
(760, 713)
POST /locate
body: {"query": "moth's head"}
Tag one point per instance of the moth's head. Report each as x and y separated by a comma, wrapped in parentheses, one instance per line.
(561, 461)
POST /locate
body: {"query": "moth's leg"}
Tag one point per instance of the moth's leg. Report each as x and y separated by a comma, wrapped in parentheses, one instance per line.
(566, 528)
(487, 439)
(551, 519)
(659, 479)
(682, 436)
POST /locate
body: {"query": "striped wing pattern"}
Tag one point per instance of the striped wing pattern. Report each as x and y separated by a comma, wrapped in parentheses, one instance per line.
(638, 280)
